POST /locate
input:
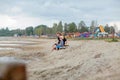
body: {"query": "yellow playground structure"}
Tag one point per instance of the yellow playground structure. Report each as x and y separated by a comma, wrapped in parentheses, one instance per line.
(101, 28)
(100, 32)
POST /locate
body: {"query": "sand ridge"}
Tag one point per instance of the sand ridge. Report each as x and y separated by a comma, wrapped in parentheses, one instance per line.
(82, 60)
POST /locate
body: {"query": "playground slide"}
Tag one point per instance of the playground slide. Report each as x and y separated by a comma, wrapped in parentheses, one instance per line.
(97, 30)
(101, 28)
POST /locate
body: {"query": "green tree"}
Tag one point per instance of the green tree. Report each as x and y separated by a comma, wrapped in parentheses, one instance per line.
(93, 26)
(107, 28)
(54, 28)
(5, 32)
(82, 27)
(72, 27)
(29, 31)
(44, 29)
(112, 30)
(49, 31)
(40, 30)
(65, 27)
(60, 27)
(19, 32)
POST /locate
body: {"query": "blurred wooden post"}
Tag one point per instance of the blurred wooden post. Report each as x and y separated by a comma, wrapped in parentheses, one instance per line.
(12, 69)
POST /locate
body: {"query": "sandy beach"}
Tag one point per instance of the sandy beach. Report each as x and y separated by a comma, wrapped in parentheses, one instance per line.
(81, 60)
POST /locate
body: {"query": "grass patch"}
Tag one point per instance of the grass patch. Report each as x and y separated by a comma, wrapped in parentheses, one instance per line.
(105, 39)
(90, 38)
(112, 40)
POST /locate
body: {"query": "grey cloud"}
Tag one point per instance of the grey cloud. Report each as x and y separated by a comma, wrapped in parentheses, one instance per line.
(66, 10)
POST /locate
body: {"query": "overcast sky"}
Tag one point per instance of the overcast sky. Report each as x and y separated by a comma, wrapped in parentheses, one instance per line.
(24, 13)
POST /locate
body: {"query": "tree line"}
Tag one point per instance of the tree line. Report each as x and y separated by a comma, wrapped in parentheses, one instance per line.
(57, 27)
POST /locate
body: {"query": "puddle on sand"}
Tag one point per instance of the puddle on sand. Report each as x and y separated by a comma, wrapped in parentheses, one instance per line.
(16, 42)
(10, 44)
(9, 48)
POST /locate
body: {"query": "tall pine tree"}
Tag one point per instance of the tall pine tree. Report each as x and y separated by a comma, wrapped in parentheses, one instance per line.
(60, 27)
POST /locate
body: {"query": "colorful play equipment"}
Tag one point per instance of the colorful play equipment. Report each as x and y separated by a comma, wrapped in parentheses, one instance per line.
(83, 35)
(100, 32)
(118, 34)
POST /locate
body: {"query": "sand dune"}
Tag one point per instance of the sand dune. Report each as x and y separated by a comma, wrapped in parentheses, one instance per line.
(82, 60)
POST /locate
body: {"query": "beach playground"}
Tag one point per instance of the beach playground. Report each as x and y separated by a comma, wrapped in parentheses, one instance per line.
(81, 60)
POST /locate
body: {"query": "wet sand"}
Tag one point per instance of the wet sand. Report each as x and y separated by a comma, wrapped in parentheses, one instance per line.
(81, 60)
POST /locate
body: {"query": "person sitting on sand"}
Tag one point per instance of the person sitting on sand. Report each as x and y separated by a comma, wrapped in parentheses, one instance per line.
(64, 41)
(64, 38)
(58, 37)
(58, 40)
(59, 45)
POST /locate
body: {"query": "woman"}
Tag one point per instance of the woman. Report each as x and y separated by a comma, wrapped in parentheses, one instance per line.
(58, 37)
(64, 41)
(59, 45)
